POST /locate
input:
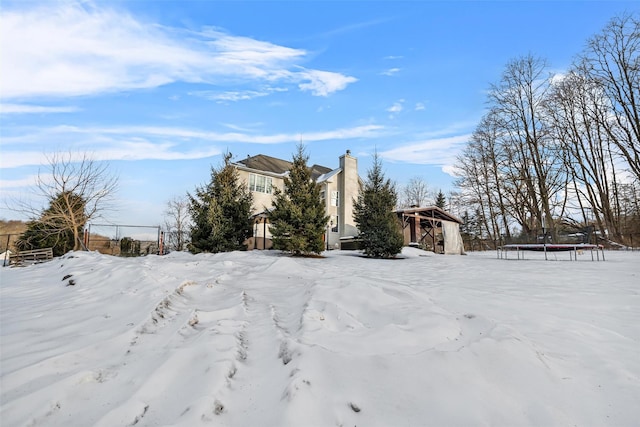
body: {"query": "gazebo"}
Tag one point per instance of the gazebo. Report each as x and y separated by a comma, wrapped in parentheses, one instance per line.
(433, 228)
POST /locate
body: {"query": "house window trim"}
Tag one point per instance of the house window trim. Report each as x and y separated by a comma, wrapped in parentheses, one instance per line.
(335, 198)
(264, 187)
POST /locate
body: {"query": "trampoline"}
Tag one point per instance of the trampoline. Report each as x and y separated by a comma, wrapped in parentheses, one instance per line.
(573, 249)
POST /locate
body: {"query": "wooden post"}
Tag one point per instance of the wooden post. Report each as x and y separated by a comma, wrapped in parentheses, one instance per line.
(6, 252)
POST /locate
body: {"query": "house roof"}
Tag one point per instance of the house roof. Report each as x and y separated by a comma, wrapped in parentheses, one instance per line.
(317, 171)
(274, 165)
(429, 212)
(267, 164)
(328, 175)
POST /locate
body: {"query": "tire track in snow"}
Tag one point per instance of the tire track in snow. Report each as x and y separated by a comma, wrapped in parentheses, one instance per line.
(267, 376)
(204, 352)
(212, 346)
(169, 326)
(200, 343)
(143, 365)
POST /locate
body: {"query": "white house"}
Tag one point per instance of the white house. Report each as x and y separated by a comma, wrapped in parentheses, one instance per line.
(339, 187)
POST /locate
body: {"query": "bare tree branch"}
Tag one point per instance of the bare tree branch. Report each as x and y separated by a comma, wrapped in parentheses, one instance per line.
(415, 193)
(76, 188)
(177, 223)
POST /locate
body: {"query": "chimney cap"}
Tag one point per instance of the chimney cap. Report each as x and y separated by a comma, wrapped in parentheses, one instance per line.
(349, 152)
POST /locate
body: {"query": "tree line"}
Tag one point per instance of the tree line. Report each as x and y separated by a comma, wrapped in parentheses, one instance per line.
(560, 152)
(216, 217)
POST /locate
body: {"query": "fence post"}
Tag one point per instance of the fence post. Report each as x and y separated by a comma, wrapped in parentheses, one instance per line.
(6, 251)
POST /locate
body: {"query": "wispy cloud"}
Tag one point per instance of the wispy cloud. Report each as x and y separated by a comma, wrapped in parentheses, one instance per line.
(435, 151)
(452, 129)
(323, 83)
(31, 109)
(60, 50)
(356, 26)
(419, 106)
(151, 142)
(390, 72)
(116, 150)
(396, 108)
(391, 57)
(451, 170)
(250, 127)
(27, 181)
(234, 95)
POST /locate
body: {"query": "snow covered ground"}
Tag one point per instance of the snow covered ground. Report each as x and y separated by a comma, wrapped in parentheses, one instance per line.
(262, 339)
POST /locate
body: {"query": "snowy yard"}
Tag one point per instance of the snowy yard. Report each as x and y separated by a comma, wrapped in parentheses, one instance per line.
(261, 339)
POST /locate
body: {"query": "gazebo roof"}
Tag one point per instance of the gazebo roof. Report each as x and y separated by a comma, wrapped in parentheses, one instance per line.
(429, 213)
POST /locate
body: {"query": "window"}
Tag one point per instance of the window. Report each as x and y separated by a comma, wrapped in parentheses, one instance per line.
(334, 224)
(335, 198)
(260, 184)
(322, 197)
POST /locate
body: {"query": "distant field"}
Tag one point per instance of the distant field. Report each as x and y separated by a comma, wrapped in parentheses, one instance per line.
(10, 230)
(12, 227)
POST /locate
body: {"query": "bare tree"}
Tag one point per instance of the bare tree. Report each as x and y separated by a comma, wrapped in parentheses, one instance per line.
(533, 157)
(552, 146)
(630, 205)
(177, 223)
(577, 112)
(480, 178)
(415, 193)
(488, 140)
(77, 189)
(612, 61)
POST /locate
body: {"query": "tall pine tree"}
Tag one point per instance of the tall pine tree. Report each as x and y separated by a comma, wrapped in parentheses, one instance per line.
(221, 212)
(380, 233)
(298, 219)
(441, 200)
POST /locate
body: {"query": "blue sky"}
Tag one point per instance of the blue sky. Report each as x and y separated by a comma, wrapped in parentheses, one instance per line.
(161, 88)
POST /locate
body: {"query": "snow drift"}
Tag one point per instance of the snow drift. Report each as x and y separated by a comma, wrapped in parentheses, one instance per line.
(258, 338)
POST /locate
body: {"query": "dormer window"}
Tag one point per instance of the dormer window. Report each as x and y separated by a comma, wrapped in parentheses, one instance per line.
(260, 184)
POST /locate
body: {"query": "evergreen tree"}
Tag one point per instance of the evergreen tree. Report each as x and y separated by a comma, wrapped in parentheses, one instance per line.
(380, 233)
(52, 230)
(298, 219)
(221, 212)
(468, 229)
(38, 236)
(441, 200)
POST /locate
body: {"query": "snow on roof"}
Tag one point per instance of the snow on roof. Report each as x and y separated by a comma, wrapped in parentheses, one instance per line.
(327, 176)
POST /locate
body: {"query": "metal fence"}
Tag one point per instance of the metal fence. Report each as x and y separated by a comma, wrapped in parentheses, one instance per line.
(124, 240)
